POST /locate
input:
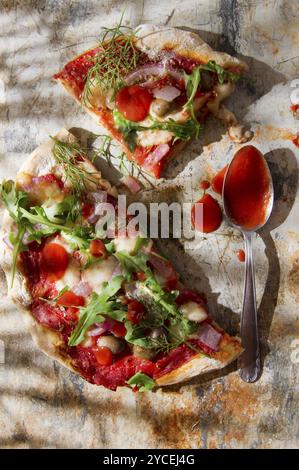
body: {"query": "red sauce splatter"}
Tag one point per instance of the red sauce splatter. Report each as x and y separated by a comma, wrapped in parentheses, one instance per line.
(247, 188)
(294, 108)
(206, 215)
(218, 180)
(205, 184)
(295, 140)
(241, 255)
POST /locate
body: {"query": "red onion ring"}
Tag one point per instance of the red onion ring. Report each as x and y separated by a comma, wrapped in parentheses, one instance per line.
(152, 69)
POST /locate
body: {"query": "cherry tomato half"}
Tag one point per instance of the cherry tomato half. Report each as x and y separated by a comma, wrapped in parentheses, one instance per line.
(103, 355)
(133, 102)
(97, 248)
(70, 299)
(55, 260)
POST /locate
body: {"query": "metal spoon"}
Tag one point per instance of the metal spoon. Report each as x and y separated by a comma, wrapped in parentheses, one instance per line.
(250, 359)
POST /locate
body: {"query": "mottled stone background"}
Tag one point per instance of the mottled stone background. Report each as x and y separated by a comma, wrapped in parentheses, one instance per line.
(44, 405)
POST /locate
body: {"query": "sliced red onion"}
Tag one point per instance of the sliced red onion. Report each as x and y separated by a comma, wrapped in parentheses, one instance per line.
(152, 69)
(7, 242)
(98, 196)
(101, 328)
(157, 155)
(167, 93)
(83, 289)
(163, 266)
(117, 271)
(132, 184)
(209, 336)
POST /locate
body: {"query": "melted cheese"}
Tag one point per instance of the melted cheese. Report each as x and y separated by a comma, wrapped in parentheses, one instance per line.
(155, 137)
(193, 311)
(125, 244)
(71, 278)
(99, 273)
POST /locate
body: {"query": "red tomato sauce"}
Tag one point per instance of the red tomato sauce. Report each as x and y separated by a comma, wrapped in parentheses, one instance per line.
(247, 188)
(294, 108)
(218, 180)
(241, 255)
(204, 184)
(206, 214)
(295, 140)
(75, 71)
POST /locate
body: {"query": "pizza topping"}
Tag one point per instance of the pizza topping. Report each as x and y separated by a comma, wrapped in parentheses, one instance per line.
(70, 299)
(158, 109)
(98, 249)
(208, 336)
(55, 260)
(133, 102)
(147, 71)
(194, 312)
(103, 355)
(142, 382)
(83, 289)
(135, 312)
(167, 93)
(114, 344)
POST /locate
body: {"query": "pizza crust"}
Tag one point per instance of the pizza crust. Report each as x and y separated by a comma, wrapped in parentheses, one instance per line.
(152, 39)
(49, 341)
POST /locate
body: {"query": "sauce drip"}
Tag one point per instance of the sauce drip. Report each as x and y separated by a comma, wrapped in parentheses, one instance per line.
(247, 188)
(204, 184)
(241, 255)
(295, 140)
(218, 180)
(206, 215)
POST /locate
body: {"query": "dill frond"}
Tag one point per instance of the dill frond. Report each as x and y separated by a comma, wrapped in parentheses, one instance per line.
(118, 56)
(68, 156)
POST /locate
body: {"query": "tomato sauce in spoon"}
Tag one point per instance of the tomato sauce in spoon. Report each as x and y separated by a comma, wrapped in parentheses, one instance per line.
(247, 188)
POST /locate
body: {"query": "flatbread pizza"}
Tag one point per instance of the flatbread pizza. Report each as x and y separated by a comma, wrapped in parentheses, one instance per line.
(108, 306)
(152, 88)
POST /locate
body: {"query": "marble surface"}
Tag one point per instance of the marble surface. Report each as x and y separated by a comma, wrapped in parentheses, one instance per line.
(43, 404)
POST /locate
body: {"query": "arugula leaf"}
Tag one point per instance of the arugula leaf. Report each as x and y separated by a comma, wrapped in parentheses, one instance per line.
(182, 131)
(223, 75)
(65, 211)
(93, 312)
(191, 85)
(132, 263)
(13, 199)
(136, 334)
(142, 381)
(37, 215)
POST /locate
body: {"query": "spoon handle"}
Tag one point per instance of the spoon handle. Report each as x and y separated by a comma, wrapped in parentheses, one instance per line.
(250, 359)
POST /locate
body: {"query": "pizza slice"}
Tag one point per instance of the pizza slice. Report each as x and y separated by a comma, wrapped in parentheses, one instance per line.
(109, 307)
(152, 88)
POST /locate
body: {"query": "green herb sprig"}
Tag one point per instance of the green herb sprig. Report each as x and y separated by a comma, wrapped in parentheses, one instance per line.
(117, 57)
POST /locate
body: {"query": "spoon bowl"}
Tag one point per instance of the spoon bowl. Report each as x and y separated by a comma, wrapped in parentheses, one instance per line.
(254, 188)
